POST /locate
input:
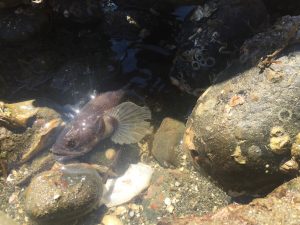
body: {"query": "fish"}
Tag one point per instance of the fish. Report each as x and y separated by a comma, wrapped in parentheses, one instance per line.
(100, 118)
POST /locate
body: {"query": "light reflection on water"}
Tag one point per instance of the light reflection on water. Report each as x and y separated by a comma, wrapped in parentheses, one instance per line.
(76, 67)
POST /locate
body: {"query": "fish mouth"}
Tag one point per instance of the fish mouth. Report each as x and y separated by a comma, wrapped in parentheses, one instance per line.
(66, 153)
(64, 158)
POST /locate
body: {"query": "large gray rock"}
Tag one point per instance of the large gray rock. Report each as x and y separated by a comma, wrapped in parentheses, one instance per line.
(243, 130)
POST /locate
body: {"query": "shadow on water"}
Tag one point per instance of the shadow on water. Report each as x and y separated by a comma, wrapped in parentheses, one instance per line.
(73, 61)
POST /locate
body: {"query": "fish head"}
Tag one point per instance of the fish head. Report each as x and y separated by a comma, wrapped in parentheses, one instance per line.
(78, 139)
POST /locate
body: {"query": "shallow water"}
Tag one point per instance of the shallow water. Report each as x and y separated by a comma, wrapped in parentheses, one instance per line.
(71, 62)
(75, 61)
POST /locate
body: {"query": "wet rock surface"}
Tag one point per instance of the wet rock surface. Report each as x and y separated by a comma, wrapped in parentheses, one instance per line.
(166, 140)
(282, 205)
(22, 23)
(78, 10)
(242, 130)
(210, 38)
(66, 52)
(63, 193)
(6, 220)
(8, 3)
(25, 130)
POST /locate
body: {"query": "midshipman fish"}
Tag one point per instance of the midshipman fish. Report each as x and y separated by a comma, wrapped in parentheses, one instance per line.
(100, 118)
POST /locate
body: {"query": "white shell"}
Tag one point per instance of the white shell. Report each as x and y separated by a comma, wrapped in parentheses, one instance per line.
(124, 188)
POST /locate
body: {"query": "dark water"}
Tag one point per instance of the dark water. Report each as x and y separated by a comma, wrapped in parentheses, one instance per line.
(72, 61)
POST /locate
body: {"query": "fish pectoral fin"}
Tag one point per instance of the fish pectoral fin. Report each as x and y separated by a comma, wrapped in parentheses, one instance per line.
(132, 122)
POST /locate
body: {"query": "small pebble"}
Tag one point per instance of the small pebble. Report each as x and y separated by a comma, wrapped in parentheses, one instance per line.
(167, 201)
(120, 210)
(111, 220)
(177, 184)
(174, 200)
(56, 196)
(131, 214)
(170, 208)
(13, 198)
(110, 153)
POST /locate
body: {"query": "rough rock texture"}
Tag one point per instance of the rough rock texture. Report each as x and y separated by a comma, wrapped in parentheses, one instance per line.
(180, 193)
(166, 139)
(22, 23)
(25, 130)
(279, 7)
(5, 220)
(78, 10)
(243, 130)
(282, 206)
(10, 3)
(64, 193)
(210, 38)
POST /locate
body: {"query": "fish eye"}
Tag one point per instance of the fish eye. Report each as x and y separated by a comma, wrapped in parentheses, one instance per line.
(71, 143)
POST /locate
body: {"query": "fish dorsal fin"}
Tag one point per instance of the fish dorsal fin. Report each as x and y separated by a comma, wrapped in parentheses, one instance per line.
(132, 124)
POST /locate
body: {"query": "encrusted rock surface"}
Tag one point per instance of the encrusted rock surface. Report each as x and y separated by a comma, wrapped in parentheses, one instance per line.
(243, 128)
(210, 38)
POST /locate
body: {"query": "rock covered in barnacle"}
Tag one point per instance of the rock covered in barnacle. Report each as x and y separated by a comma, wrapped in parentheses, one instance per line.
(244, 130)
(210, 37)
(63, 193)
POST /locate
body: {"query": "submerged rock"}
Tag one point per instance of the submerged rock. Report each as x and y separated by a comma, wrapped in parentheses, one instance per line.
(278, 7)
(5, 220)
(244, 130)
(166, 139)
(280, 207)
(22, 23)
(210, 38)
(63, 194)
(78, 10)
(130, 24)
(17, 114)
(111, 220)
(10, 3)
(25, 130)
